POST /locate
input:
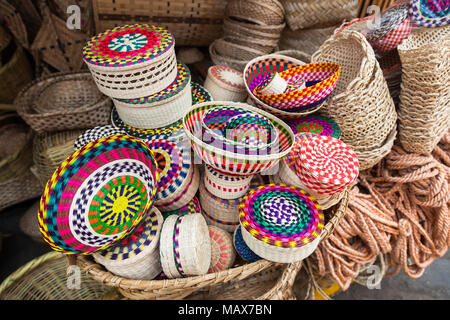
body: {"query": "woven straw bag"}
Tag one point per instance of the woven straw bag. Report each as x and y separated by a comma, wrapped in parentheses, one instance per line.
(301, 14)
(424, 110)
(17, 183)
(361, 103)
(306, 40)
(193, 22)
(75, 105)
(181, 288)
(50, 149)
(46, 278)
(14, 75)
(261, 12)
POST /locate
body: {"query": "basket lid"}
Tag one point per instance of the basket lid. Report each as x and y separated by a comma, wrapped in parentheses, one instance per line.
(222, 250)
(128, 45)
(98, 195)
(230, 78)
(179, 83)
(241, 247)
(281, 216)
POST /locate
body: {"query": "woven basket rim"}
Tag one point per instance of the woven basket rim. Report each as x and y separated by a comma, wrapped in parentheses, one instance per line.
(24, 108)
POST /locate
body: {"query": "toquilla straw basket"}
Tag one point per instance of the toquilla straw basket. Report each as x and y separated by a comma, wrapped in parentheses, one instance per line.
(261, 12)
(424, 110)
(230, 279)
(221, 60)
(301, 14)
(63, 101)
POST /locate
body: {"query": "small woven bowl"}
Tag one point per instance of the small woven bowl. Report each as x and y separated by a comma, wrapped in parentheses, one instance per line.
(131, 61)
(225, 84)
(185, 246)
(255, 72)
(137, 256)
(321, 79)
(427, 14)
(241, 247)
(162, 108)
(98, 195)
(96, 133)
(225, 186)
(184, 194)
(231, 162)
(222, 250)
(281, 223)
(316, 124)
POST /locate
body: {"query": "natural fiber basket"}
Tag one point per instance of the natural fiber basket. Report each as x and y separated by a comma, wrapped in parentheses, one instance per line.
(301, 14)
(424, 110)
(236, 48)
(192, 22)
(225, 84)
(14, 21)
(46, 278)
(361, 103)
(70, 109)
(29, 223)
(182, 287)
(14, 75)
(50, 149)
(225, 186)
(261, 12)
(222, 250)
(296, 54)
(222, 60)
(19, 188)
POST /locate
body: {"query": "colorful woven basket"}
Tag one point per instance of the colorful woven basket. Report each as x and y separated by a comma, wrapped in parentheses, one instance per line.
(431, 13)
(258, 69)
(199, 94)
(225, 186)
(389, 21)
(174, 166)
(191, 207)
(185, 246)
(98, 195)
(316, 124)
(96, 133)
(325, 164)
(222, 250)
(162, 108)
(225, 84)
(395, 38)
(241, 247)
(321, 79)
(137, 256)
(281, 223)
(183, 194)
(232, 162)
(132, 61)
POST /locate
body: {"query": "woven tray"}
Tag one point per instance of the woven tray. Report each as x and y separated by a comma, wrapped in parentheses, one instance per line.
(87, 113)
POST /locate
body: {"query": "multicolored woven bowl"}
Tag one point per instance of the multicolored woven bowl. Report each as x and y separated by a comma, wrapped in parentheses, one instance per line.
(230, 162)
(281, 223)
(199, 94)
(430, 13)
(98, 195)
(321, 79)
(260, 68)
(316, 124)
(137, 256)
(96, 133)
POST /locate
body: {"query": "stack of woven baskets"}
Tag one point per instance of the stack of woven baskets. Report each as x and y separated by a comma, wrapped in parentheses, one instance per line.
(311, 22)
(251, 28)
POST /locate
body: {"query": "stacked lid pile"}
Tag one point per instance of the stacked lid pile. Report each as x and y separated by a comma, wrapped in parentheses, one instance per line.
(251, 28)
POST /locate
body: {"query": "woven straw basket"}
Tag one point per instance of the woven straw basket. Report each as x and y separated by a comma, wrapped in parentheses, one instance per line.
(14, 75)
(232, 278)
(307, 13)
(261, 12)
(46, 278)
(17, 183)
(29, 223)
(221, 60)
(361, 103)
(14, 21)
(50, 150)
(424, 110)
(225, 84)
(192, 22)
(63, 101)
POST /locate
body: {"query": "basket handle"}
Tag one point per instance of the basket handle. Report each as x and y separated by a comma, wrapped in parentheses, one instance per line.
(283, 288)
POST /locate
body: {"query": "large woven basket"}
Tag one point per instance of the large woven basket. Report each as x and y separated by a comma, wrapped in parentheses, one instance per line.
(17, 183)
(192, 22)
(361, 103)
(301, 14)
(261, 12)
(183, 287)
(46, 278)
(14, 75)
(63, 101)
(424, 110)
(50, 149)
(221, 60)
